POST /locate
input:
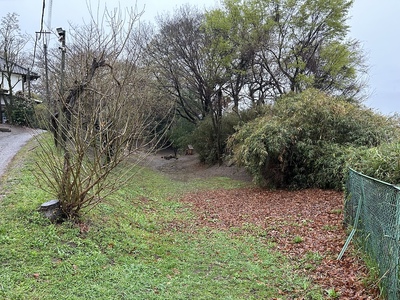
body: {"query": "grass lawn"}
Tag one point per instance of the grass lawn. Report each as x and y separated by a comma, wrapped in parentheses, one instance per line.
(141, 243)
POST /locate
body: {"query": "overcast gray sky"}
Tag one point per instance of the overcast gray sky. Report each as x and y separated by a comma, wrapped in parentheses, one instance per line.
(375, 23)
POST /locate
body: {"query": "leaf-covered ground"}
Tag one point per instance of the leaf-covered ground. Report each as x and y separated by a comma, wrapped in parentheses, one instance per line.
(305, 225)
(302, 224)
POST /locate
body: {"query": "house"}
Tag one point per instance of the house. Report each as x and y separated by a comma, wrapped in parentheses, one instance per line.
(20, 80)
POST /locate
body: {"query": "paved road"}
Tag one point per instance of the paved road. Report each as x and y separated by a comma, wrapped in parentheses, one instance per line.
(11, 143)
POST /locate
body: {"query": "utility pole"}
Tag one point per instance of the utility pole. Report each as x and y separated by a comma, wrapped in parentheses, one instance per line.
(46, 68)
(61, 34)
(63, 115)
(29, 83)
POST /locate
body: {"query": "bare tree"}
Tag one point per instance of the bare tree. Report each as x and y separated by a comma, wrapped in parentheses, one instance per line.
(180, 64)
(189, 71)
(104, 114)
(12, 43)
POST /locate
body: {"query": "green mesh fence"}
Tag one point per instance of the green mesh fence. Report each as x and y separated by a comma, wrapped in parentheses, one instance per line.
(372, 210)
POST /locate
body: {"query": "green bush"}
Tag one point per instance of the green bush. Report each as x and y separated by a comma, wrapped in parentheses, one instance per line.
(210, 137)
(260, 146)
(206, 141)
(320, 117)
(41, 117)
(382, 162)
(180, 133)
(306, 139)
(23, 112)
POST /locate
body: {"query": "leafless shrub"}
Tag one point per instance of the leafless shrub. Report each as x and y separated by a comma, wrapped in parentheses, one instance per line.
(104, 112)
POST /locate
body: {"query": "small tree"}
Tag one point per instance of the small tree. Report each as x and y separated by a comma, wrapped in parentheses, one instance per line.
(105, 114)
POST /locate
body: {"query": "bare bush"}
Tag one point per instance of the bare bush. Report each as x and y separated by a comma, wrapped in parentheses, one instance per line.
(104, 112)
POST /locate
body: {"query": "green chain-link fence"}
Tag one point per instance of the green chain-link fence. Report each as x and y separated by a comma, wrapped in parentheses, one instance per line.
(372, 208)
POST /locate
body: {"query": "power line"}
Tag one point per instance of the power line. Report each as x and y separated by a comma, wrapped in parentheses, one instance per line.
(43, 34)
(40, 32)
(42, 18)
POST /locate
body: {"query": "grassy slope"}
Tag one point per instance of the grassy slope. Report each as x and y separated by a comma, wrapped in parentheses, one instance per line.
(142, 243)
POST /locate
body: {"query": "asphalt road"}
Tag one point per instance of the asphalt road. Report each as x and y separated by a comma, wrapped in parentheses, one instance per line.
(11, 142)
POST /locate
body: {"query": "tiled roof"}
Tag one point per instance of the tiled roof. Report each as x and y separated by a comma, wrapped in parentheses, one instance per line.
(17, 69)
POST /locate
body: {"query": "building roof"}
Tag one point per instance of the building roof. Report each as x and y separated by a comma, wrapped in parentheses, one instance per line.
(17, 69)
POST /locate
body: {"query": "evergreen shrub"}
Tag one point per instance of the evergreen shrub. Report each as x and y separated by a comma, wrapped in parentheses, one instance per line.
(307, 139)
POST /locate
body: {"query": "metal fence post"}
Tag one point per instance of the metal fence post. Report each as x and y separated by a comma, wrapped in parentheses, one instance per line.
(393, 292)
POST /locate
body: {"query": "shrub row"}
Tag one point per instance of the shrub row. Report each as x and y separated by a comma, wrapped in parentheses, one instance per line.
(309, 139)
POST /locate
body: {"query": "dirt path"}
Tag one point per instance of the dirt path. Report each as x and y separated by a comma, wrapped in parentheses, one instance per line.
(188, 167)
(11, 142)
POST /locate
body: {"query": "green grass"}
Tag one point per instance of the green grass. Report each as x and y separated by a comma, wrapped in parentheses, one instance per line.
(141, 243)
